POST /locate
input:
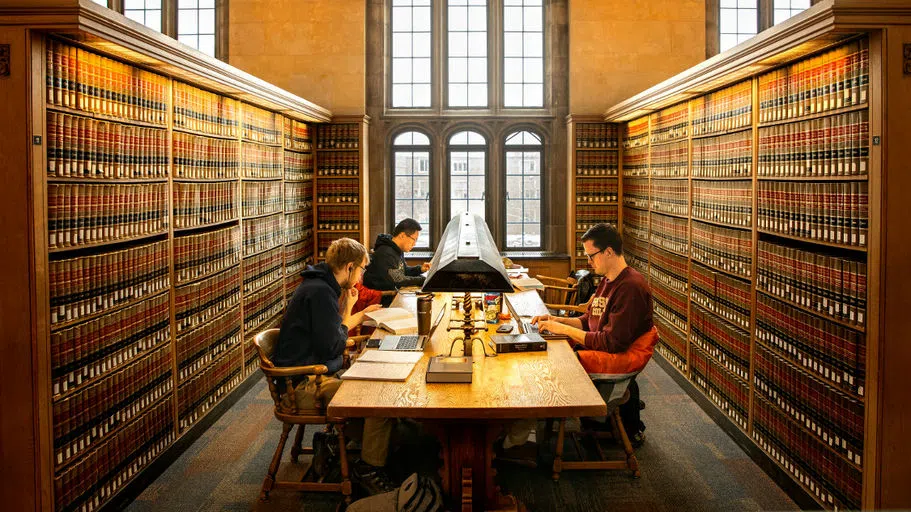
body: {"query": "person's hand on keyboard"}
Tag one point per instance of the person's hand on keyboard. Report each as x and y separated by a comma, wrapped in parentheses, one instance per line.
(542, 318)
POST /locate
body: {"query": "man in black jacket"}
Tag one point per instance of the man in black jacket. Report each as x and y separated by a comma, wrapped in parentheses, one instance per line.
(387, 269)
(314, 331)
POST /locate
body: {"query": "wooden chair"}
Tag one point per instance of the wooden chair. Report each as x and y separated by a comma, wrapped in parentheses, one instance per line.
(557, 290)
(613, 388)
(281, 387)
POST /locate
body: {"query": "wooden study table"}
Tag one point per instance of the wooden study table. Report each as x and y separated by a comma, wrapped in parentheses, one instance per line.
(468, 417)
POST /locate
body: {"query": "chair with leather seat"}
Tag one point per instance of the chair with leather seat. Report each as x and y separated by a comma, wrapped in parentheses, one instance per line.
(283, 383)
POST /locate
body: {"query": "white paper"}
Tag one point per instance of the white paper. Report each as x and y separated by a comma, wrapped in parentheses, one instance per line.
(362, 370)
(528, 283)
(390, 356)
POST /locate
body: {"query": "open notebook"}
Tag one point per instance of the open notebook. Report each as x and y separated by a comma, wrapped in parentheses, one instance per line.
(394, 320)
(383, 365)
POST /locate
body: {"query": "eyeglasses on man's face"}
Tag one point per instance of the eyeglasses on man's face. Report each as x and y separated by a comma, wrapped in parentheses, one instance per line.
(592, 255)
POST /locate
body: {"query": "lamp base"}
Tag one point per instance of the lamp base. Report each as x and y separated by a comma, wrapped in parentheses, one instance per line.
(450, 369)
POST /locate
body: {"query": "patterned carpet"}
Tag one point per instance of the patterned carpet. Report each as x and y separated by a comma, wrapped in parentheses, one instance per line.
(687, 463)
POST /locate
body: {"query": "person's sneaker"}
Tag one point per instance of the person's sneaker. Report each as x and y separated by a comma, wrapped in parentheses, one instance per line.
(525, 455)
(372, 479)
(637, 439)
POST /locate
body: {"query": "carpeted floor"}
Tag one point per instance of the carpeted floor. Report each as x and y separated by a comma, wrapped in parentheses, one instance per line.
(687, 463)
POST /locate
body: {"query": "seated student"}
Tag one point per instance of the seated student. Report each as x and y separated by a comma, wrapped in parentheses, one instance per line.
(314, 331)
(618, 315)
(387, 269)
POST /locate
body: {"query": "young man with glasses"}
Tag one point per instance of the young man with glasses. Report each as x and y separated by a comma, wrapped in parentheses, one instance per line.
(620, 313)
(387, 269)
(314, 331)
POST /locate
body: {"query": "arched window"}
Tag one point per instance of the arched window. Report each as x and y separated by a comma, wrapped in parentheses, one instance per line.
(411, 182)
(524, 154)
(467, 173)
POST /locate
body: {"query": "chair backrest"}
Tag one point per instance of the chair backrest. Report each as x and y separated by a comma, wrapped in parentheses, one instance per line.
(557, 290)
(265, 343)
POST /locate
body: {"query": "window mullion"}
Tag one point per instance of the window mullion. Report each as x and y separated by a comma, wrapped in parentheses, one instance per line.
(495, 56)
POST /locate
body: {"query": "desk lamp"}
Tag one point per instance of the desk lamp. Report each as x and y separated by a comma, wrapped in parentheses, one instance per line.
(467, 260)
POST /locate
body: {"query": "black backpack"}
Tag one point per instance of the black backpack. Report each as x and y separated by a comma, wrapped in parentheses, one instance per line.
(586, 287)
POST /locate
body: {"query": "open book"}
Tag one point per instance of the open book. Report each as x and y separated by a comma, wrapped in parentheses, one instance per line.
(394, 320)
(528, 283)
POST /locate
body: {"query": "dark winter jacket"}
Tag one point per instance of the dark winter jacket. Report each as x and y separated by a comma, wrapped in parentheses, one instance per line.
(387, 269)
(312, 330)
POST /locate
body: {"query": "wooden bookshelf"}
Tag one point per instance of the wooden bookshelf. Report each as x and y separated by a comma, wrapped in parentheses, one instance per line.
(132, 108)
(777, 84)
(341, 186)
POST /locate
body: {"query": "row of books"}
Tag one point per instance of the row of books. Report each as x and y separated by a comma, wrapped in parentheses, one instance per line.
(86, 352)
(588, 215)
(730, 250)
(84, 213)
(827, 212)
(202, 254)
(262, 269)
(261, 197)
(260, 125)
(834, 79)
(296, 135)
(298, 166)
(670, 123)
(635, 223)
(672, 338)
(82, 80)
(635, 192)
(298, 196)
(344, 164)
(727, 391)
(837, 145)
(730, 108)
(670, 233)
(200, 347)
(260, 161)
(86, 285)
(251, 361)
(292, 281)
(657, 273)
(596, 191)
(670, 305)
(338, 136)
(204, 158)
(635, 161)
(730, 202)
(836, 418)
(725, 343)
(721, 294)
(298, 256)
(830, 351)
(89, 416)
(597, 163)
(80, 147)
(197, 303)
(636, 133)
(338, 192)
(204, 111)
(200, 204)
(835, 482)
(724, 156)
(636, 256)
(669, 160)
(670, 196)
(196, 396)
(596, 135)
(262, 233)
(338, 220)
(833, 286)
(298, 226)
(673, 268)
(98, 476)
(263, 305)
(323, 241)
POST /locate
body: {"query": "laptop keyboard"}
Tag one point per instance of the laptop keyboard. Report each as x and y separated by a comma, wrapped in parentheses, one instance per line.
(407, 342)
(528, 327)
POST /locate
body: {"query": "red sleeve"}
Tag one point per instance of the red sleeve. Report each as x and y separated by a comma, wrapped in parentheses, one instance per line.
(366, 297)
(628, 305)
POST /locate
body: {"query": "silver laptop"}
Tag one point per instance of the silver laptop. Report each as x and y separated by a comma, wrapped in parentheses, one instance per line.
(412, 342)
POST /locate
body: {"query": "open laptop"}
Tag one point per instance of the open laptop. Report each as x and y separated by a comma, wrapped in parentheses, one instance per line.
(412, 342)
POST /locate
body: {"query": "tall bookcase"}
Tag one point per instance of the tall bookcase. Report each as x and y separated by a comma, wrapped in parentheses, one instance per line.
(159, 207)
(753, 197)
(341, 182)
(594, 187)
